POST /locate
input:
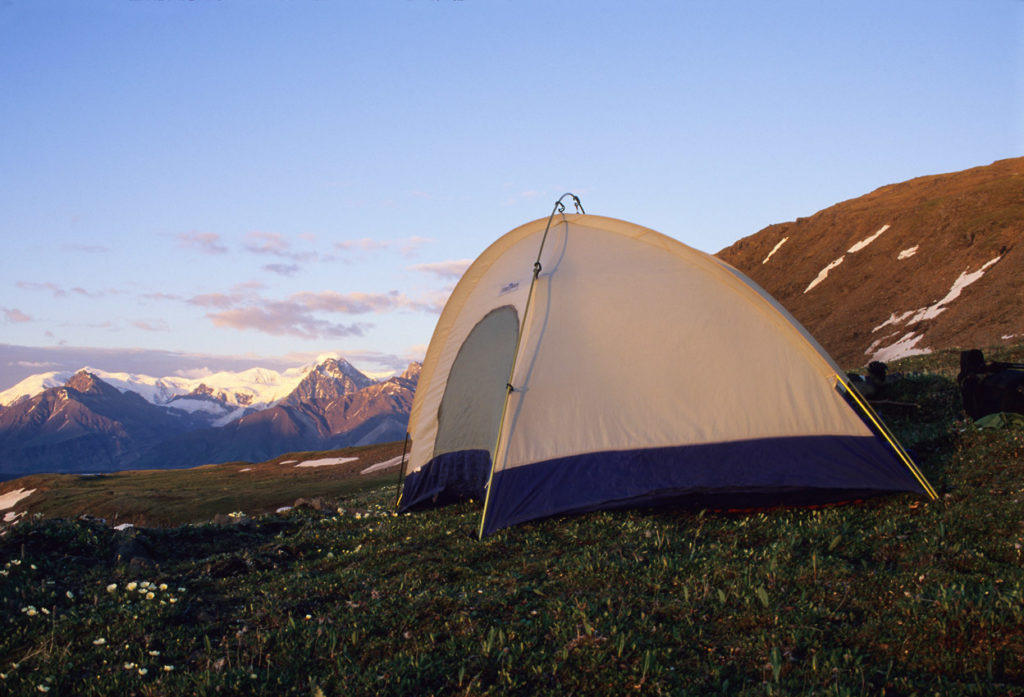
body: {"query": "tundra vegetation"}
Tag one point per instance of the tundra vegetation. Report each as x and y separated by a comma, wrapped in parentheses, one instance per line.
(893, 596)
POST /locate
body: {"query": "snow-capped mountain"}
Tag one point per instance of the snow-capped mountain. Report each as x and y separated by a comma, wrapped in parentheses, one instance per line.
(99, 421)
(222, 397)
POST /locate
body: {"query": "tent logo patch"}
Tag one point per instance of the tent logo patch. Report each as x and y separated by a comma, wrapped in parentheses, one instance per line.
(508, 287)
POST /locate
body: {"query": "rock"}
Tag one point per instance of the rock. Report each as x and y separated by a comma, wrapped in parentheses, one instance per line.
(317, 504)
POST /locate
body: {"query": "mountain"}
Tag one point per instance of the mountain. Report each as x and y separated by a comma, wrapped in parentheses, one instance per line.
(82, 426)
(88, 425)
(932, 263)
(218, 397)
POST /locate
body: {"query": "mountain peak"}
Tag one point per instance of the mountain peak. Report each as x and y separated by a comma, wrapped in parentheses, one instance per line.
(413, 371)
(340, 369)
(85, 382)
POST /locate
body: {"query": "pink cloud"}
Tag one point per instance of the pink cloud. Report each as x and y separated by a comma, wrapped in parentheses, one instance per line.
(15, 315)
(275, 244)
(151, 326)
(57, 291)
(365, 245)
(445, 269)
(206, 242)
(215, 300)
(409, 246)
(283, 318)
(350, 303)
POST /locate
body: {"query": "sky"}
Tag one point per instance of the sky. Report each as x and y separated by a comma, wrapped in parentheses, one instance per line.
(195, 185)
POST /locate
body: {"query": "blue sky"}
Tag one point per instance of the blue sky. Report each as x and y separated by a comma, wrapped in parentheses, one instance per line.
(217, 182)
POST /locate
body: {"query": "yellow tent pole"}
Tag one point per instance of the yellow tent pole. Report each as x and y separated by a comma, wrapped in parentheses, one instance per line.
(887, 434)
(559, 208)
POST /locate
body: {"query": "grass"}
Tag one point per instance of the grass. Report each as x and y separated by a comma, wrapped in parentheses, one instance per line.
(175, 497)
(894, 596)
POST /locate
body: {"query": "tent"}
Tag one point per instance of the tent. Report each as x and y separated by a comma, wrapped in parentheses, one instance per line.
(585, 363)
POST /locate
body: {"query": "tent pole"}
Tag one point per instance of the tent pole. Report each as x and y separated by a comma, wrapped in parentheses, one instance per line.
(887, 434)
(401, 472)
(558, 208)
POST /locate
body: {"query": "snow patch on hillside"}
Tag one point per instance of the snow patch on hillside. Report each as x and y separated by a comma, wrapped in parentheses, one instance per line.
(775, 249)
(393, 462)
(11, 498)
(907, 253)
(823, 274)
(965, 279)
(865, 242)
(904, 347)
(327, 461)
(893, 320)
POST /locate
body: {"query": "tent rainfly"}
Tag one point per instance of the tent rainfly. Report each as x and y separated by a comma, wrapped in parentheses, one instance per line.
(586, 363)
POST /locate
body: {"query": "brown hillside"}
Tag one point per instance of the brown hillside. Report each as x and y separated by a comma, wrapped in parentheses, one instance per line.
(946, 272)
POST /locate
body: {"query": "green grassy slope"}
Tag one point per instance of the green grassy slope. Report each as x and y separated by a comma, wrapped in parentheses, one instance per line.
(895, 596)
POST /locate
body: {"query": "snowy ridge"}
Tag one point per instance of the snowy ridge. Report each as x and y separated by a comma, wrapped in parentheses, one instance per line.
(225, 393)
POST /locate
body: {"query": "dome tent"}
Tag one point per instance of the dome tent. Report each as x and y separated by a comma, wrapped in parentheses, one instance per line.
(584, 363)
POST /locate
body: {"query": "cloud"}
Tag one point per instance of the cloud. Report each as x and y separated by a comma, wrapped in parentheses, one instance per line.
(411, 245)
(206, 242)
(445, 269)
(161, 296)
(274, 244)
(407, 247)
(34, 364)
(56, 290)
(283, 318)
(282, 269)
(14, 315)
(360, 303)
(363, 245)
(151, 325)
(351, 303)
(216, 299)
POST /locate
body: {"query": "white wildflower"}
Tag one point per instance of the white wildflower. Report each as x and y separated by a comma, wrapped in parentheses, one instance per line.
(112, 587)
(168, 669)
(132, 586)
(143, 671)
(154, 653)
(99, 642)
